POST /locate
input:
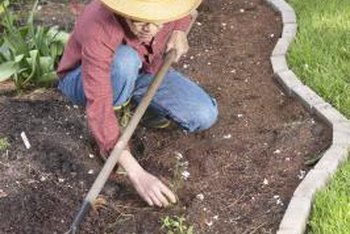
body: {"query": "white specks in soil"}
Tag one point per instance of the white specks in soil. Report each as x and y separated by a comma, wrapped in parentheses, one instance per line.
(241, 10)
(185, 175)
(91, 156)
(90, 172)
(185, 66)
(200, 196)
(42, 178)
(25, 140)
(277, 151)
(209, 223)
(3, 193)
(178, 155)
(199, 23)
(233, 71)
(301, 174)
(278, 200)
(265, 182)
(209, 63)
(227, 136)
(61, 180)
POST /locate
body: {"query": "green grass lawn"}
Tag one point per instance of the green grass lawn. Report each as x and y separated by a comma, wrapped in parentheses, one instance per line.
(331, 210)
(320, 56)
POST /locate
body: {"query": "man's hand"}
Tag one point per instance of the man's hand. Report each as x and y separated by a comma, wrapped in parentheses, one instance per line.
(151, 189)
(178, 41)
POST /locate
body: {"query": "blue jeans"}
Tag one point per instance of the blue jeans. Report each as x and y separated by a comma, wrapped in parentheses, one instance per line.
(178, 98)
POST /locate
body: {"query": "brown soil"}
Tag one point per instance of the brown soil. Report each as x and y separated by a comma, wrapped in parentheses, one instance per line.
(261, 135)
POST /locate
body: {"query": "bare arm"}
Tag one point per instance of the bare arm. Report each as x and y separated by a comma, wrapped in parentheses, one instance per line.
(151, 189)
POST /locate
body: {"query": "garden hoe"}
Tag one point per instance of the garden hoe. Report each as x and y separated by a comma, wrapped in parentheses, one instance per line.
(123, 140)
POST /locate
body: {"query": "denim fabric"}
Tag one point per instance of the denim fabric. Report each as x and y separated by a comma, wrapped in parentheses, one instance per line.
(178, 98)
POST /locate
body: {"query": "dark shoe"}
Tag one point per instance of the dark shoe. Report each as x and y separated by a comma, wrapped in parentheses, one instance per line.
(153, 120)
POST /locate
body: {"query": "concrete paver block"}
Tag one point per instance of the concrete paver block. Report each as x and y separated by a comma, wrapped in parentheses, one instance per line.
(289, 31)
(307, 96)
(286, 231)
(296, 215)
(329, 114)
(341, 133)
(288, 80)
(279, 63)
(314, 180)
(288, 17)
(280, 5)
(332, 159)
(281, 47)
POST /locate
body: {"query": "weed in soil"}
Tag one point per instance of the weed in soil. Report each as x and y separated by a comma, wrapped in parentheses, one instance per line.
(4, 144)
(175, 225)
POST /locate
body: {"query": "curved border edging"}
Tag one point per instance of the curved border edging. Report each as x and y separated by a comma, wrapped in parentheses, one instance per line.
(297, 214)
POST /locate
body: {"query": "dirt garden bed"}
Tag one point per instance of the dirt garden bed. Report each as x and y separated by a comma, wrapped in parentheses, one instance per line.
(245, 168)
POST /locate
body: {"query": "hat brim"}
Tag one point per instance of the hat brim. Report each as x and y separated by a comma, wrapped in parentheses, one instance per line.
(154, 11)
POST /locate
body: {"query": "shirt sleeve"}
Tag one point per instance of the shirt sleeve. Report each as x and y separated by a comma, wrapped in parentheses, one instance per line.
(96, 62)
(183, 23)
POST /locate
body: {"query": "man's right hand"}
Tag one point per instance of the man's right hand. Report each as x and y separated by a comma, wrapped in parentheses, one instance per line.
(151, 189)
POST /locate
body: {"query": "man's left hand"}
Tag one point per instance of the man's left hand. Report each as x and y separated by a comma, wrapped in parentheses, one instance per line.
(178, 41)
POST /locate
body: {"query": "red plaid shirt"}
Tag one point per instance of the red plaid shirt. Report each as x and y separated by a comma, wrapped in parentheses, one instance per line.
(97, 34)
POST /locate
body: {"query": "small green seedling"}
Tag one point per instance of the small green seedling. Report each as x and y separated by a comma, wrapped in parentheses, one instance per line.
(4, 143)
(175, 225)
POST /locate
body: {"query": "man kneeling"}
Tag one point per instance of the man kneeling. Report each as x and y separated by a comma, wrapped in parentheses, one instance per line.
(111, 58)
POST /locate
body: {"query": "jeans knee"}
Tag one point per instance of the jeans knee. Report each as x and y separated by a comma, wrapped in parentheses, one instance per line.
(204, 117)
(126, 63)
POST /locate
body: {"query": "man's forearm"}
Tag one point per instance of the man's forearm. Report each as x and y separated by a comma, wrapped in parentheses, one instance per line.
(129, 163)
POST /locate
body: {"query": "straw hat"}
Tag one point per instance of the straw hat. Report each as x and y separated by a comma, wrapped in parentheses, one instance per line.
(154, 11)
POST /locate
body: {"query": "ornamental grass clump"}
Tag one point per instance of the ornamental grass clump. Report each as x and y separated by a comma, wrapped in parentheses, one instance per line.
(29, 53)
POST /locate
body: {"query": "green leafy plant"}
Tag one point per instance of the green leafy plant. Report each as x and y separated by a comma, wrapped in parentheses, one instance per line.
(4, 144)
(29, 53)
(175, 225)
(3, 5)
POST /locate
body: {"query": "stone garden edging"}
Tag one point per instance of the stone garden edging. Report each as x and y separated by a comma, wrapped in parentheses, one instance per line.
(297, 214)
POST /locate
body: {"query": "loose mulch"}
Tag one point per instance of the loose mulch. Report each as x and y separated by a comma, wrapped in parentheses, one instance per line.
(246, 167)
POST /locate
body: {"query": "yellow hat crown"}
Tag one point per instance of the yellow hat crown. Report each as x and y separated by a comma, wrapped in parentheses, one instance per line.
(152, 10)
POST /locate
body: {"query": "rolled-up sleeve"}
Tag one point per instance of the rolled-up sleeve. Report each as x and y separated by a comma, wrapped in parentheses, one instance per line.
(96, 64)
